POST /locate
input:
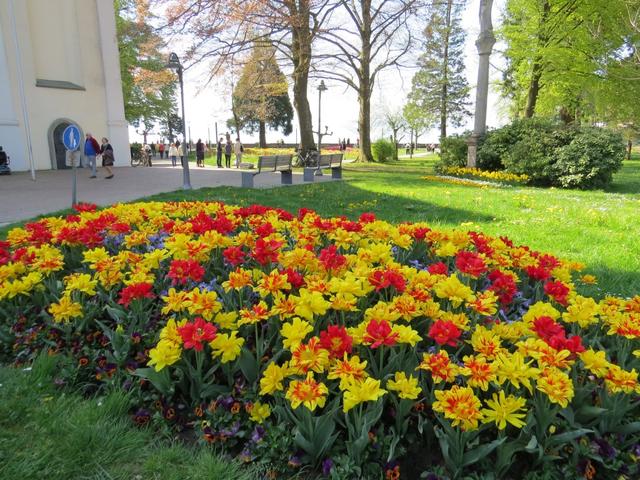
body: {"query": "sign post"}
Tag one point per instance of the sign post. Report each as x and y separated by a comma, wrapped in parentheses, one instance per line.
(71, 141)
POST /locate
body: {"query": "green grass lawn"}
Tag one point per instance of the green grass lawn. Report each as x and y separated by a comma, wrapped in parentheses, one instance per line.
(46, 434)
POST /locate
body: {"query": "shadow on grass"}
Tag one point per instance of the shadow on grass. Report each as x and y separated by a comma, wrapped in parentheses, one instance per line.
(627, 180)
(623, 283)
(334, 199)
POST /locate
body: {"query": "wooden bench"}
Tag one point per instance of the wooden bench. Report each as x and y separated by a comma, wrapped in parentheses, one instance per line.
(332, 161)
(271, 163)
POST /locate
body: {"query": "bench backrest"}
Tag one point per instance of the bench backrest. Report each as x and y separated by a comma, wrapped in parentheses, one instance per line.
(283, 163)
(336, 160)
(274, 163)
(330, 161)
(267, 163)
(324, 161)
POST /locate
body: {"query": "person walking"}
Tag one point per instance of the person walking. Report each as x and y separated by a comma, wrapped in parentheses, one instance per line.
(238, 149)
(219, 152)
(173, 153)
(180, 148)
(91, 149)
(161, 150)
(200, 153)
(227, 152)
(107, 157)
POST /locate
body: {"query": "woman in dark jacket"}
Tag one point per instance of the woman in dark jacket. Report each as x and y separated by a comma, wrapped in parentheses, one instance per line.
(107, 157)
(200, 153)
(219, 152)
(227, 152)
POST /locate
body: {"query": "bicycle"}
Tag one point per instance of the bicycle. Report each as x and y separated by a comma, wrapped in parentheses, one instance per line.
(308, 159)
(140, 157)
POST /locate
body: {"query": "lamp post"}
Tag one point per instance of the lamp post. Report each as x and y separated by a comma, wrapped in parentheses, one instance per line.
(174, 64)
(321, 88)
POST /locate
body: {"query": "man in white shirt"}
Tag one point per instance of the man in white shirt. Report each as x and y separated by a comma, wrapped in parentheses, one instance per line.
(238, 149)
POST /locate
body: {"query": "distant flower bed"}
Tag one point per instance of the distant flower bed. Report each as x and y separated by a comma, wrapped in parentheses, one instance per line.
(268, 151)
(329, 347)
(469, 182)
(476, 173)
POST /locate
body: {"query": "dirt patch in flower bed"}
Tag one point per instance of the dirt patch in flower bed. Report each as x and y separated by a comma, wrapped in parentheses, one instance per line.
(330, 347)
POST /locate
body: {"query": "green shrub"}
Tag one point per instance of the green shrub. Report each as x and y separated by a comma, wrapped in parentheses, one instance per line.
(136, 149)
(453, 150)
(590, 160)
(531, 151)
(383, 150)
(552, 154)
(498, 144)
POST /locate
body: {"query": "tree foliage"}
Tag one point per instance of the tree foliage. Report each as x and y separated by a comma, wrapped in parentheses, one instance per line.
(171, 126)
(440, 88)
(222, 32)
(261, 98)
(394, 119)
(148, 86)
(573, 59)
(364, 38)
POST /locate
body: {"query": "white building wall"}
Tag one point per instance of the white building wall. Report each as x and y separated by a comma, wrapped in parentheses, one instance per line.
(12, 135)
(96, 105)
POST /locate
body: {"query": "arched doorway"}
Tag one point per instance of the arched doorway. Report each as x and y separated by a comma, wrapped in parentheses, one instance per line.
(56, 147)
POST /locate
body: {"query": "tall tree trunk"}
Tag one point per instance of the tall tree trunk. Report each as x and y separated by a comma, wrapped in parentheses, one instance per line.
(445, 75)
(263, 135)
(537, 67)
(301, 54)
(534, 89)
(364, 91)
(395, 144)
(364, 125)
(236, 119)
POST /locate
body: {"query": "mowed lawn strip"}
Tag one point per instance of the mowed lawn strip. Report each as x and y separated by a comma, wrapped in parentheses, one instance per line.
(54, 435)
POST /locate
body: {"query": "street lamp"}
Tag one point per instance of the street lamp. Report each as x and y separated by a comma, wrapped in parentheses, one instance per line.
(174, 64)
(321, 88)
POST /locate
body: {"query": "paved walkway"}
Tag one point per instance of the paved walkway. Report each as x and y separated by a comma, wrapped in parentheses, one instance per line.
(21, 198)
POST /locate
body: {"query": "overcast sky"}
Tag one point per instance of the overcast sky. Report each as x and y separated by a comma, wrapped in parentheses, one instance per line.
(207, 105)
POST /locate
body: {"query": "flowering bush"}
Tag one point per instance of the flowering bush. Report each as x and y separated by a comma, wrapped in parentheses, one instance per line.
(355, 349)
(476, 173)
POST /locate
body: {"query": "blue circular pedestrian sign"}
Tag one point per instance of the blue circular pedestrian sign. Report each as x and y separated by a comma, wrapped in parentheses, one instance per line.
(71, 137)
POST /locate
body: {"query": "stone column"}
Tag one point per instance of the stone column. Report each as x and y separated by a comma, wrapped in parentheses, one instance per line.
(484, 44)
(116, 122)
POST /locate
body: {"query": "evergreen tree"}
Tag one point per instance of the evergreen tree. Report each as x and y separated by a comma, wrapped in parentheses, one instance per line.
(440, 87)
(261, 96)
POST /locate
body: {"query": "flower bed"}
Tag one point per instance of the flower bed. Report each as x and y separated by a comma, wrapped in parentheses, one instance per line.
(467, 182)
(337, 348)
(477, 174)
(268, 151)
